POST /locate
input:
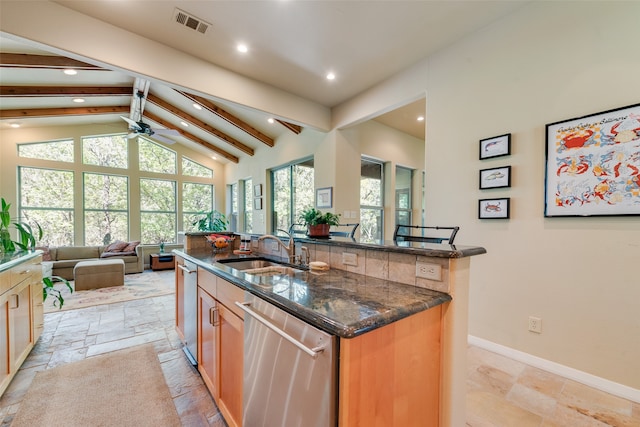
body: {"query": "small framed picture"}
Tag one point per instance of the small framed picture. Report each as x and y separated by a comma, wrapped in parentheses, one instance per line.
(495, 177)
(493, 208)
(257, 204)
(324, 197)
(257, 190)
(495, 147)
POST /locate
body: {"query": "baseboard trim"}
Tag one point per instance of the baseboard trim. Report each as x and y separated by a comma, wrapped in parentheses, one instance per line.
(585, 378)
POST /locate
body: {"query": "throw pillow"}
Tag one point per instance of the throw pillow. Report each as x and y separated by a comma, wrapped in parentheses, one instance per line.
(112, 254)
(116, 246)
(131, 247)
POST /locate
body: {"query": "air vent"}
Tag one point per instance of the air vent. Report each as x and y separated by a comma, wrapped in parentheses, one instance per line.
(190, 21)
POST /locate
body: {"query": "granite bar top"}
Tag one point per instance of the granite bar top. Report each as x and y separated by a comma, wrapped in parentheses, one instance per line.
(338, 302)
(11, 259)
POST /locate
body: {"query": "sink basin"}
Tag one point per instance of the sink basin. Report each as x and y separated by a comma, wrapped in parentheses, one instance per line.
(261, 267)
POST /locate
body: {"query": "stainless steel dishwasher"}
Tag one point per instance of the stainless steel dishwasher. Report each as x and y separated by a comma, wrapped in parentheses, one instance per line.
(289, 369)
(190, 271)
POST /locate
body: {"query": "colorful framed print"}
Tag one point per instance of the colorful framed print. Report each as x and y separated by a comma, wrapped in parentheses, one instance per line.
(593, 165)
(495, 147)
(494, 208)
(495, 177)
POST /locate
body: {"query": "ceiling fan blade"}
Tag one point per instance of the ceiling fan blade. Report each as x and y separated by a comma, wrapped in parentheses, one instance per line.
(132, 123)
(162, 139)
(171, 132)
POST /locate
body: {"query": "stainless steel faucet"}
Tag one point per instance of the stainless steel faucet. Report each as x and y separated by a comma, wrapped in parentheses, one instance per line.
(291, 248)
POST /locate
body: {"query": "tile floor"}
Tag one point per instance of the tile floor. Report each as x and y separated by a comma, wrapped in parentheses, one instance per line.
(502, 392)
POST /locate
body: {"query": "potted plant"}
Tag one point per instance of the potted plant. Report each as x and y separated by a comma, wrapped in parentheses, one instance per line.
(212, 221)
(318, 223)
(28, 240)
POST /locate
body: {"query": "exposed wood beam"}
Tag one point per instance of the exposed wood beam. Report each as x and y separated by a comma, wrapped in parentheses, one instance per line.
(293, 128)
(23, 60)
(71, 111)
(197, 122)
(32, 91)
(237, 122)
(192, 137)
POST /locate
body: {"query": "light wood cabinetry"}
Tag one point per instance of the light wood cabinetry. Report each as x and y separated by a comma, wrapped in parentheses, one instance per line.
(21, 316)
(221, 343)
(391, 375)
(180, 296)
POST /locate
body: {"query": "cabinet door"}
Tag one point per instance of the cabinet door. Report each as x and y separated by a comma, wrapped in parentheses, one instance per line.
(180, 297)
(207, 341)
(231, 363)
(20, 326)
(5, 367)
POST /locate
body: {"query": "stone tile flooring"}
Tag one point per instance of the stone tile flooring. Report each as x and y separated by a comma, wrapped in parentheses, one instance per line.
(502, 392)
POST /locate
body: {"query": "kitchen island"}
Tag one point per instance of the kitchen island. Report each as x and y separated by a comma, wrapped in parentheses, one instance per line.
(402, 338)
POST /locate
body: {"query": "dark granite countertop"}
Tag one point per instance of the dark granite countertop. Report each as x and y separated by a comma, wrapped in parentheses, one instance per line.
(11, 259)
(340, 303)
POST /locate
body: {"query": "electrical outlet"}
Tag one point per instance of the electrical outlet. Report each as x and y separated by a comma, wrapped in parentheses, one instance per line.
(349, 258)
(429, 271)
(535, 324)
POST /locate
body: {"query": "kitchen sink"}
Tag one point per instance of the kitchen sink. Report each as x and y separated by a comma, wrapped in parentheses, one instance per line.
(262, 267)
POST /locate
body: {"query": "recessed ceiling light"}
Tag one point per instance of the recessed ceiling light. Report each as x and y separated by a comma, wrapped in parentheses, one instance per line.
(243, 48)
(15, 125)
(420, 118)
(185, 124)
(271, 120)
(78, 100)
(70, 72)
(331, 76)
(197, 106)
(214, 157)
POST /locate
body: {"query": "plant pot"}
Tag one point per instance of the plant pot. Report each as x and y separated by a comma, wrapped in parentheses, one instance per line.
(318, 230)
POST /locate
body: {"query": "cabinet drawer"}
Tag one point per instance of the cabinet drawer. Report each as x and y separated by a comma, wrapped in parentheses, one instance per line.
(228, 294)
(207, 281)
(5, 281)
(25, 271)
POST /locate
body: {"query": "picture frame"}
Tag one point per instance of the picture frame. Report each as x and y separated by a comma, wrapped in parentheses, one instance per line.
(592, 165)
(257, 190)
(496, 146)
(324, 197)
(495, 177)
(498, 208)
(257, 204)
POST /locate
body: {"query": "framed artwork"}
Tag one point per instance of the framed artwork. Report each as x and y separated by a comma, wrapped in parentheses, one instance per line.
(494, 208)
(495, 147)
(593, 165)
(324, 197)
(495, 177)
(257, 190)
(257, 204)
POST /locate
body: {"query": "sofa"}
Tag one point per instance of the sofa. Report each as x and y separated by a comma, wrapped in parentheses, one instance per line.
(65, 258)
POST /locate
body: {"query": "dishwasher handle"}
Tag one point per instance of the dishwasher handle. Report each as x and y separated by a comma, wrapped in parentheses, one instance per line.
(185, 269)
(313, 352)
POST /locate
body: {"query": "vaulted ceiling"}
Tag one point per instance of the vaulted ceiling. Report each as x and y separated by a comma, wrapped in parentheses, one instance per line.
(292, 45)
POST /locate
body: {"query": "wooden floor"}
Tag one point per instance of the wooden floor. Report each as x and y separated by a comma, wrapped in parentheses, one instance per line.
(502, 392)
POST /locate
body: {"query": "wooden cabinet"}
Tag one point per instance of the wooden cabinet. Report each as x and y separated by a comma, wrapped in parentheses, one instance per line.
(21, 316)
(221, 343)
(180, 296)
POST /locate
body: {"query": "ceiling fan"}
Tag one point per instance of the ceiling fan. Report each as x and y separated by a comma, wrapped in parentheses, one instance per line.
(141, 128)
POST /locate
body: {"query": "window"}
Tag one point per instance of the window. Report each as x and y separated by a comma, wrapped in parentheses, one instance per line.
(106, 208)
(196, 199)
(61, 151)
(248, 205)
(404, 189)
(371, 200)
(108, 150)
(154, 157)
(233, 221)
(191, 168)
(157, 211)
(293, 190)
(46, 197)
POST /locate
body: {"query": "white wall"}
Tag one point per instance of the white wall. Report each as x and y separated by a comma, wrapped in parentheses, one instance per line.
(549, 62)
